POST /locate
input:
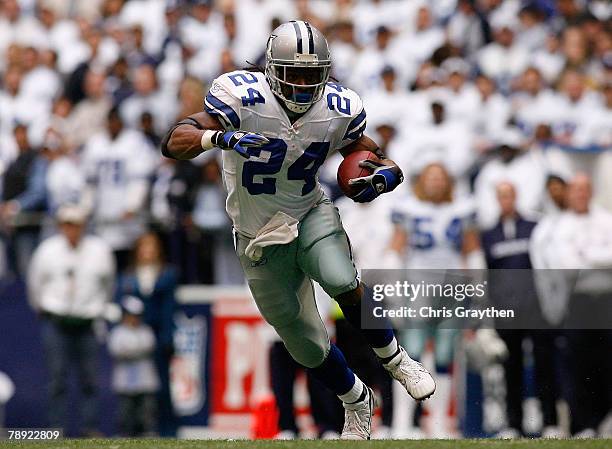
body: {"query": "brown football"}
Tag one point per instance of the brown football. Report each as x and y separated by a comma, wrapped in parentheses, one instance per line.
(350, 169)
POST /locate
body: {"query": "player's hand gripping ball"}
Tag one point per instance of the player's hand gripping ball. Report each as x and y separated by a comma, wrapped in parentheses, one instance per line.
(362, 176)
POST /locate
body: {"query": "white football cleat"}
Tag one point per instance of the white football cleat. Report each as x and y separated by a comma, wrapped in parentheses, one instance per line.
(358, 418)
(412, 375)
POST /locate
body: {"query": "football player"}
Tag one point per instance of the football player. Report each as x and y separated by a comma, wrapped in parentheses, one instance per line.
(276, 129)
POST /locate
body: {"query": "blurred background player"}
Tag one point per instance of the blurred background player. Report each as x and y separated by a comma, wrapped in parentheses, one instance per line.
(132, 343)
(118, 161)
(434, 230)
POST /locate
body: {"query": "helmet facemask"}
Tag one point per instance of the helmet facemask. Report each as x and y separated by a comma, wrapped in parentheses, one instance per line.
(299, 83)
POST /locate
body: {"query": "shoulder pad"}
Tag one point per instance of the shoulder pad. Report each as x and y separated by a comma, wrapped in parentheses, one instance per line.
(342, 100)
(346, 103)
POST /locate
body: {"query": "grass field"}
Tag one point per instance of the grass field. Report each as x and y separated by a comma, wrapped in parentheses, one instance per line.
(309, 444)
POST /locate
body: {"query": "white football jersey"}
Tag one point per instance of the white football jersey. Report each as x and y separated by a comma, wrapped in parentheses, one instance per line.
(282, 175)
(118, 170)
(435, 231)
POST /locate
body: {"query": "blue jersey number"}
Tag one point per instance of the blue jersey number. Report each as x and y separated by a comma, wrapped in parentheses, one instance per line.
(454, 233)
(111, 171)
(303, 169)
(342, 104)
(239, 78)
(307, 165)
(254, 97)
(421, 238)
(336, 86)
(278, 151)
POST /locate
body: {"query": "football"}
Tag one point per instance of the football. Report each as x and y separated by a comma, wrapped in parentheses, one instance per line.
(350, 169)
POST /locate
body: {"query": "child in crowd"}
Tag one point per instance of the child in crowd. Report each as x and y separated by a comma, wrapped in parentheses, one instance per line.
(135, 379)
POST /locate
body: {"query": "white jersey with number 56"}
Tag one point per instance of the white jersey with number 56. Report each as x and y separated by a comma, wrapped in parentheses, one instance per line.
(281, 176)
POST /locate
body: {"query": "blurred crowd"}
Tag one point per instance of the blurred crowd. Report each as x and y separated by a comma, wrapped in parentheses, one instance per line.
(502, 106)
(89, 88)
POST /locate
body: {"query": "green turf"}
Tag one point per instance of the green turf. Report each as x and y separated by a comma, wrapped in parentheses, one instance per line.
(312, 444)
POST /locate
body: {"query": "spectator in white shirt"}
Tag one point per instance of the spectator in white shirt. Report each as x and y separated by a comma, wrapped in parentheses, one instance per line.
(465, 29)
(202, 33)
(419, 44)
(41, 82)
(135, 379)
(463, 100)
(448, 142)
(491, 116)
(533, 103)
(88, 116)
(525, 169)
(370, 62)
(343, 50)
(574, 46)
(369, 16)
(533, 30)
(150, 15)
(15, 106)
(148, 98)
(583, 236)
(552, 288)
(571, 114)
(549, 59)
(65, 180)
(390, 100)
(17, 27)
(70, 282)
(503, 59)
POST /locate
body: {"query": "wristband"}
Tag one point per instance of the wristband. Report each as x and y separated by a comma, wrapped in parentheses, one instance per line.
(207, 139)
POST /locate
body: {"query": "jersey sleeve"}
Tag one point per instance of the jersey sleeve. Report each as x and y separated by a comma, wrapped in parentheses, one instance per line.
(222, 103)
(356, 122)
